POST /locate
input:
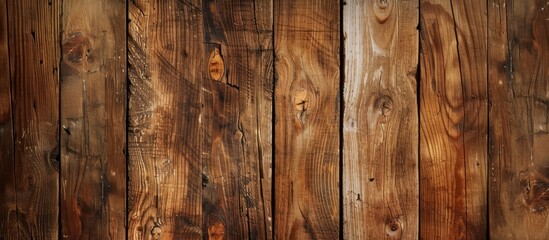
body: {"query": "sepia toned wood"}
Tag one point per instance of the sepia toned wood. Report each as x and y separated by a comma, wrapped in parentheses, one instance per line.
(34, 63)
(93, 119)
(165, 63)
(519, 119)
(307, 119)
(8, 208)
(453, 120)
(237, 97)
(380, 136)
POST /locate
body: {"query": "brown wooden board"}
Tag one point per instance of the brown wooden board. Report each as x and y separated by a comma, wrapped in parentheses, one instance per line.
(8, 208)
(34, 63)
(307, 112)
(236, 119)
(519, 119)
(165, 60)
(453, 119)
(380, 127)
(93, 119)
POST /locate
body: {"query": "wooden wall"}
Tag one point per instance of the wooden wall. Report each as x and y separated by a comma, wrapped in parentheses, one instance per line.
(274, 119)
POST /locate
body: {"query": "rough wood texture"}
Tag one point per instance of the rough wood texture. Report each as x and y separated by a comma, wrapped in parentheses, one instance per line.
(307, 119)
(8, 214)
(519, 119)
(380, 153)
(164, 66)
(34, 60)
(237, 96)
(93, 99)
(453, 110)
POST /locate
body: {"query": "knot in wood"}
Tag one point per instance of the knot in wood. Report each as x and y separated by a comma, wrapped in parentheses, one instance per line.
(155, 232)
(392, 227)
(216, 67)
(382, 10)
(384, 104)
(77, 47)
(301, 100)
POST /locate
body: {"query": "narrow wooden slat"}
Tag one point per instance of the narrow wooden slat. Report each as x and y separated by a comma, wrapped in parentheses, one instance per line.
(165, 60)
(380, 153)
(453, 110)
(519, 119)
(93, 99)
(8, 214)
(307, 119)
(34, 60)
(237, 98)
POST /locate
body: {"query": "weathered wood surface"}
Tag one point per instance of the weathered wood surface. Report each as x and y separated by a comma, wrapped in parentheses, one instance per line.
(236, 119)
(8, 214)
(93, 119)
(453, 119)
(380, 152)
(34, 63)
(164, 66)
(519, 118)
(307, 119)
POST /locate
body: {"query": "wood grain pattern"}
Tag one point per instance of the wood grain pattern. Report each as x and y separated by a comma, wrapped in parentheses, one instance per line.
(93, 99)
(519, 118)
(307, 119)
(236, 118)
(8, 208)
(380, 152)
(453, 120)
(34, 63)
(164, 68)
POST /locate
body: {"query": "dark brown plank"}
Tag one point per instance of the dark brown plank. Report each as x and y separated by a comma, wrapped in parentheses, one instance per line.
(307, 119)
(8, 208)
(380, 152)
(93, 99)
(237, 123)
(165, 63)
(519, 119)
(453, 110)
(34, 60)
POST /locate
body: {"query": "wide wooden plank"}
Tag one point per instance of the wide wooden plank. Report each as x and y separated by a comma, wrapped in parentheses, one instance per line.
(453, 120)
(307, 119)
(34, 63)
(237, 98)
(93, 100)
(519, 119)
(165, 63)
(380, 152)
(8, 215)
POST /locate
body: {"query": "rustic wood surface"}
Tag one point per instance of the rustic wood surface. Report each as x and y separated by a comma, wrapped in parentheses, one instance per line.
(165, 74)
(34, 69)
(236, 118)
(93, 100)
(519, 118)
(453, 120)
(306, 119)
(380, 152)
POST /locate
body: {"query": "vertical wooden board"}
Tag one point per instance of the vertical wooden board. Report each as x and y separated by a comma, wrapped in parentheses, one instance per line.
(93, 99)
(34, 61)
(164, 66)
(380, 127)
(307, 119)
(236, 118)
(519, 119)
(8, 215)
(453, 118)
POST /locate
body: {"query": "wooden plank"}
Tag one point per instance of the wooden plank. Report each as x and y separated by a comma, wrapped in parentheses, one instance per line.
(307, 104)
(519, 119)
(380, 152)
(8, 208)
(237, 123)
(93, 99)
(453, 118)
(34, 60)
(164, 68)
